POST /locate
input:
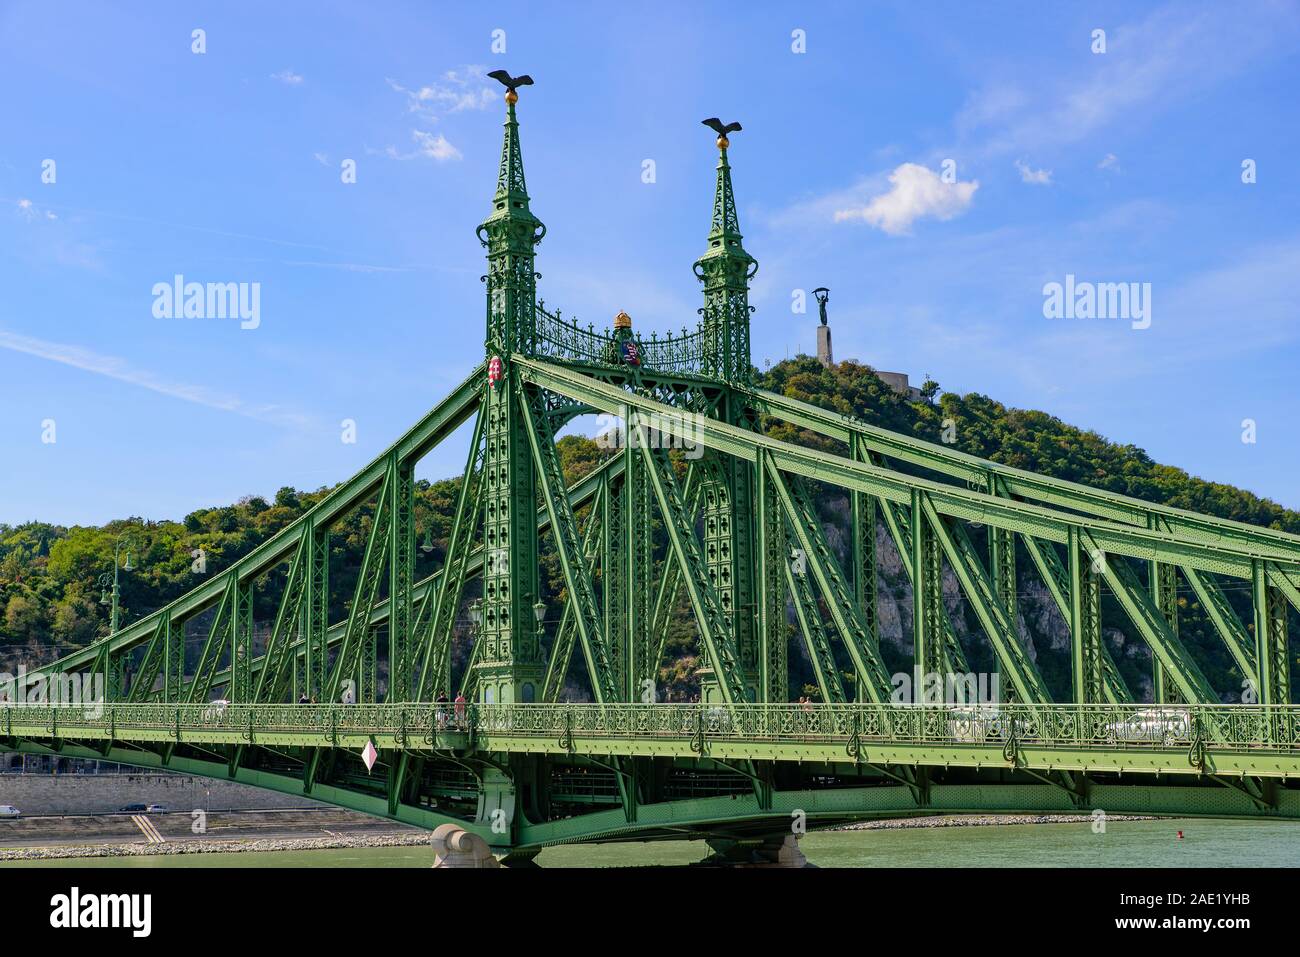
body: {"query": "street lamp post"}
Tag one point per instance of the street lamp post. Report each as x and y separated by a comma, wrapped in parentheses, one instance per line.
(107, 577)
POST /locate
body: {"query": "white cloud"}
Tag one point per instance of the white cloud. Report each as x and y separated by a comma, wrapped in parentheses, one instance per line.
(288, 77)
(1109, 161)
(1038, 177)
(322, 158)
(435, 147)
(915, 193)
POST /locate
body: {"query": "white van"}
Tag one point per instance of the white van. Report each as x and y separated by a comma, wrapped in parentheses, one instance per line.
(9, 811)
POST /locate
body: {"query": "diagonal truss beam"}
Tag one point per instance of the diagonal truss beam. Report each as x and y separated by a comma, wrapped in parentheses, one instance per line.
(994, 616)
(348, 662)
(1182, 525)
(813, 630)
(1063, 585)
(1146, 617)
(441, 602)
(714, 625)
(566, 633)
(564, 532)
(439, 423)
(1141, 543)
(872, 675)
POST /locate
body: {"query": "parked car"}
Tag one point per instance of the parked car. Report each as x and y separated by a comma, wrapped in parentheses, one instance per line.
(134, 809)
(1165, 725)
(215, 709)
(9, 811)
(156, 809)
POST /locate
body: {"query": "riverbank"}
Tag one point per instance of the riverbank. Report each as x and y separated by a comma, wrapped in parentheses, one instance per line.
(261, 845)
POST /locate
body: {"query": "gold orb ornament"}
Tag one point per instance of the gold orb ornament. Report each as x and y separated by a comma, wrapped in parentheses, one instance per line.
(723, 142)
(512, 97)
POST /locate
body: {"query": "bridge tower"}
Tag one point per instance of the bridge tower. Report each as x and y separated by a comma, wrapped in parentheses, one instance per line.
(728, 489)
(508, 666)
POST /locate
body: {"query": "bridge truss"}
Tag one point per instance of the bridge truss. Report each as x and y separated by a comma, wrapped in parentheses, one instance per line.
(697, 508)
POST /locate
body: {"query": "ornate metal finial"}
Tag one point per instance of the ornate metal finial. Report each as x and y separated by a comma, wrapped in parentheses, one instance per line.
(622, 321)
(511, 83)
(822, 294)
(715, 124)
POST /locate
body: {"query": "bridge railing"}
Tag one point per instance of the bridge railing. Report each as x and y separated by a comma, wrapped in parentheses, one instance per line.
(554, 337)
(1019, 725)
(1110, 726)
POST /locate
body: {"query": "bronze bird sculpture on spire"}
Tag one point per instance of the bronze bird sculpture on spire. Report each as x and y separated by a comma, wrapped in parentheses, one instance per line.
(511, 83)
(715, 124)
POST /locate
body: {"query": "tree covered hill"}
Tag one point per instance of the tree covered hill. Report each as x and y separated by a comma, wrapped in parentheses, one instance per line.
(50, 598)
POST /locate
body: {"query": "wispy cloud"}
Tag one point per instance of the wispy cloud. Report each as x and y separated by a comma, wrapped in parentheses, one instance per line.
(1035, 177)
(30, 212)
(113, 367)
(1109, 161)
(915, 193)
(1150, 65)
(288, 77)
(454, 91)
(427, 146)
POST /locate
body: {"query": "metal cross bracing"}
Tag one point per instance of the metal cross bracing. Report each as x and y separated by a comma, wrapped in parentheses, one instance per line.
(700, 521)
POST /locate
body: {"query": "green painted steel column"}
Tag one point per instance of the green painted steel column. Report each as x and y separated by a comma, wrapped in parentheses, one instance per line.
(1085, 624)
(1271, 654)
(508, 666)
(315, 609)
(241, 644)
(927, 597)
(863, 534)
(1162, 583)
(773, 553)
(1002, 560)
(401, 577)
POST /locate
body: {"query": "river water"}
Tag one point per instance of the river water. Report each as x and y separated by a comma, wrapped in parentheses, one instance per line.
(1124, 844)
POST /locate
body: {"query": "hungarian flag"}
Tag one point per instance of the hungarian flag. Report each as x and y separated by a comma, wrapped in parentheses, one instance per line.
(495, 371)
(631, 354)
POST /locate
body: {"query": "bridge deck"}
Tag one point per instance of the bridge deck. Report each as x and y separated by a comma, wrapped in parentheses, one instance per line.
(1220, 739)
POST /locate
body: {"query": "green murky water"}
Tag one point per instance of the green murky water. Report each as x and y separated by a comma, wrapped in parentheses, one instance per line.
(1125, 844)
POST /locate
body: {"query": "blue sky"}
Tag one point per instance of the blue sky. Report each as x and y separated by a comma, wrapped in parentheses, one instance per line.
(1123, 166)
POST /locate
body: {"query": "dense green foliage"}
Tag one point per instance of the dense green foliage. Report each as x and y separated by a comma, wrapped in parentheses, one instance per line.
(50, 598)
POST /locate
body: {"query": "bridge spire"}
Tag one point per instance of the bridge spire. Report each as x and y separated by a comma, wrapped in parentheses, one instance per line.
(508, 663)
(725, 269)
(510, 234)
(728, 489)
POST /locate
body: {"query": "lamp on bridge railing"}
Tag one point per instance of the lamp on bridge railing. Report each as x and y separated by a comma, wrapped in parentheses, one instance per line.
(539, 610)
(427, 545)
(476, 612)
(111, 598)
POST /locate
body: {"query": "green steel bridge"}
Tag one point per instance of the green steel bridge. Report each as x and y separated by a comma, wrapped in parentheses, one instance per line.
(726, 526)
